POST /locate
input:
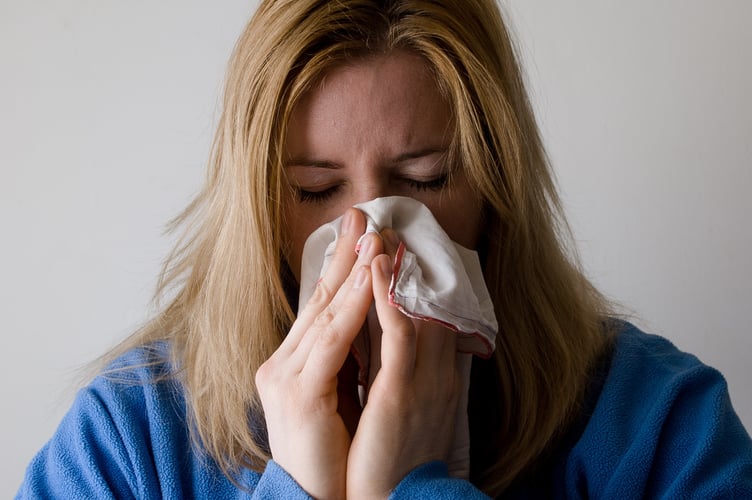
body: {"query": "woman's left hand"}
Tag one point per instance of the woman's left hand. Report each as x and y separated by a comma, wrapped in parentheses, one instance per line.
(410, 417)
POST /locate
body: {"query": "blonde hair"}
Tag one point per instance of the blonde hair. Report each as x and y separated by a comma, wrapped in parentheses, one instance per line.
(228, 281)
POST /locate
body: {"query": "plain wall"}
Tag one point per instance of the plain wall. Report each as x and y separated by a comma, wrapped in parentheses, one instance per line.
(107, 111)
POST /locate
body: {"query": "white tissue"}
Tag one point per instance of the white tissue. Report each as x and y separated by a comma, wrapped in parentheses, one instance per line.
(435, 278)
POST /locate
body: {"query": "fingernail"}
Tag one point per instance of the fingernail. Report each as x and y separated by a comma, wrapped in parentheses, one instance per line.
(360, 277)
(346, 222)
(364, 244)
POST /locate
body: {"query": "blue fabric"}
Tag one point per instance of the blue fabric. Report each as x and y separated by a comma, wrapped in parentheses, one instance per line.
(663, 426)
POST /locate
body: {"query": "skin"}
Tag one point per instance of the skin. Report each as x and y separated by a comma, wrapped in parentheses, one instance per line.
(372, 128)
(375, 127)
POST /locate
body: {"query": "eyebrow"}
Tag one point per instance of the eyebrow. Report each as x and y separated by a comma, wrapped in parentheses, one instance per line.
(410, 155)
(308, 162)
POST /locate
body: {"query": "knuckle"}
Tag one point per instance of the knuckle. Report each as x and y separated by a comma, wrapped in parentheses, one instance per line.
(324, 318)
(322, 295)
(329, 335)
(264, 375)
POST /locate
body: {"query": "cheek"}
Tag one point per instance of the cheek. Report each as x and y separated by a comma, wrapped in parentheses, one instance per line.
(299, 222)
(295, 232)
(460, 213)
(462, 224)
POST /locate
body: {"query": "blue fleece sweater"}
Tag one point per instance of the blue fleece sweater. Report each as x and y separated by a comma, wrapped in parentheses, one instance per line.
(662, 426)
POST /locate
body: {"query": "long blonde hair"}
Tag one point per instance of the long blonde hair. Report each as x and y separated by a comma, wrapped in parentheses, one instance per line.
(227, 279)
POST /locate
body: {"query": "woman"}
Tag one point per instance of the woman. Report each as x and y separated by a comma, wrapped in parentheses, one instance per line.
(333, 103)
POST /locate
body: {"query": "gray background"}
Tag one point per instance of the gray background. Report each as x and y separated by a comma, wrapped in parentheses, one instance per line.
(107, 109)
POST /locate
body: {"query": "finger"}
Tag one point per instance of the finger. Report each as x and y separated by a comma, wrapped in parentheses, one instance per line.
(340, 266)
(436, 348)
(398, 338)
(333, 331)
(370, 246)
(391, 241)
(373, 349)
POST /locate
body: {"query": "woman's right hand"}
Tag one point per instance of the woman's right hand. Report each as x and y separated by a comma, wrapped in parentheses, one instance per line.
(298, 383)
(412, 414)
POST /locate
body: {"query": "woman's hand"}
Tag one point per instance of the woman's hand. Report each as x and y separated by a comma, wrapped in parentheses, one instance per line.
(410, 416)
(298, 383)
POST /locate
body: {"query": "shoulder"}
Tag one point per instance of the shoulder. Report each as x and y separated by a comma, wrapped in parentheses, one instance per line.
(140, 374)
(137, 394)
(662, 425)
(653, 365)
(127, 431)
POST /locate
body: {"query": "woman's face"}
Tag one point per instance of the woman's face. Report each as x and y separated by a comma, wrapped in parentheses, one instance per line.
(376, 127)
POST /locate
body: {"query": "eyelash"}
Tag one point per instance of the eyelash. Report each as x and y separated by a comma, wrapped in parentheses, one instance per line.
(317, 196)
(433, 185)
(321, 196)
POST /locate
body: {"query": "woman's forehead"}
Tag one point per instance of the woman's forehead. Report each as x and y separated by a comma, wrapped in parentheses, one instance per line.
(391, 97)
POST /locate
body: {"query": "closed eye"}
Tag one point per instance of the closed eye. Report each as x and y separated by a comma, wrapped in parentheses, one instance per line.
(431, 185)
(307, 196)
(320, 196)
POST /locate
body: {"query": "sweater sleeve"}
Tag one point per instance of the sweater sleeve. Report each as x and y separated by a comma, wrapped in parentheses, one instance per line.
(664, 427)
(275, 482)
(431, 480)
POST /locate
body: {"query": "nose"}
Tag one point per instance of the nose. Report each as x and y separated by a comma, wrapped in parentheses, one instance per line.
(367, 188)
